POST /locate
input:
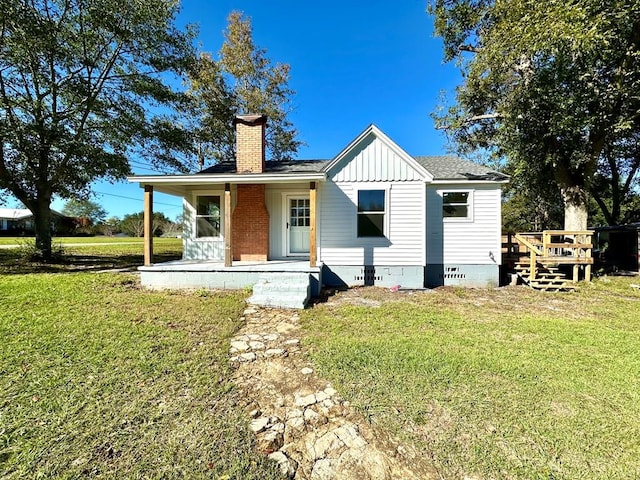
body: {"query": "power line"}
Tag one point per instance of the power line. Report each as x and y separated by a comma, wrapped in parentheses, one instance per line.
(137, 199)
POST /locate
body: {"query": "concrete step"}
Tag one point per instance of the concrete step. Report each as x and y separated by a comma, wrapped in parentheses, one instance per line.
(282, 290)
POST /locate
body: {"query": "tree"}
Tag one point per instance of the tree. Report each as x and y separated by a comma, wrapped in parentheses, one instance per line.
(133, 224)
(109, 226)
(243, 80)
(547, 85)
(81, 208)
(83, 84)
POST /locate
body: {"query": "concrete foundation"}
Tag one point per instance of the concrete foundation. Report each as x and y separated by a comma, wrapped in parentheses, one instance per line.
(382, 276)
(462, 275)
(182, 274)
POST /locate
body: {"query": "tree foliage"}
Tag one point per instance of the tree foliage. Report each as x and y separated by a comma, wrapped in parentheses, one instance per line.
(551, 86)
(82, 208)
(133, 224)
(81, 89)
(241, 81)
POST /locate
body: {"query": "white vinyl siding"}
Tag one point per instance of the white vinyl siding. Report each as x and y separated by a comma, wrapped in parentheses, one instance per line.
(207, 248)
(475, 242)
(404, 242)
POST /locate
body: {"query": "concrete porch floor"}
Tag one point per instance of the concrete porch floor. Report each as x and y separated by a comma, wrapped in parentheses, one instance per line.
(286, 265)
(214, 275)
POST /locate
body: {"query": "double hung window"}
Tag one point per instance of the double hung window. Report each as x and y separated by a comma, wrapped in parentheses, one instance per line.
(208, 216)
(456, 205)
(371, 212)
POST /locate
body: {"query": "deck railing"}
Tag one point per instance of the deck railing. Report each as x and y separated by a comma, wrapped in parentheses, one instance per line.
(554, 247)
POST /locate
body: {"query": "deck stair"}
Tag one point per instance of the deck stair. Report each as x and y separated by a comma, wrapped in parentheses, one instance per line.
(282, 290)
(536, 258)
(548, 278)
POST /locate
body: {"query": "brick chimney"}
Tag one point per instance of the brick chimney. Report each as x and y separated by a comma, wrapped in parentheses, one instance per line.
(250, 218)
(250, 143)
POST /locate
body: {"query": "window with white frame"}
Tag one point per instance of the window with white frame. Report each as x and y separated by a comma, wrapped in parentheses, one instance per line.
(371, 212)
(208, 216)
(456, 204)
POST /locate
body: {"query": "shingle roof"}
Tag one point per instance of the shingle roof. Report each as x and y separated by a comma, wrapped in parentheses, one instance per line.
(290, 166)
(448, 167)
(442, 167)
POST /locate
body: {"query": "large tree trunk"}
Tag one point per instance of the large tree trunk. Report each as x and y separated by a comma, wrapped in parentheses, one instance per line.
(575, 208)
(41, 210)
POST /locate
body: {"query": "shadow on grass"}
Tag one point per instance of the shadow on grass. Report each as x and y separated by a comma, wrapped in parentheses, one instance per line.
(12, 262)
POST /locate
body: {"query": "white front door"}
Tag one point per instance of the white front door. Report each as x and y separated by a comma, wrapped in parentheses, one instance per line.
(298, 221)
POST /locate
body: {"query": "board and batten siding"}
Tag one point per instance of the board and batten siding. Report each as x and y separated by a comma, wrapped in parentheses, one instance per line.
(405, 220)
(472, 242)
(374, 161)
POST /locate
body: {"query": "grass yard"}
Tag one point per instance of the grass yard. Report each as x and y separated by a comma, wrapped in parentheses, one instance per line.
(100, 379)
(76, 240)
(86, 255)
(493, 384)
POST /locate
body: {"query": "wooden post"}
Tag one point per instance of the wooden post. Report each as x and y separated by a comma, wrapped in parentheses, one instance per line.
(227, 226)
(545, 242)
(313, 249)
(532, 266)
(148, 224)
(588, 239)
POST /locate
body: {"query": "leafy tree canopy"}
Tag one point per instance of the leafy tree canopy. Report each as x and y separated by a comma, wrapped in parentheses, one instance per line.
(82, 208)
(550, 86)
(133, 224)
(242, 80)
(83, 85)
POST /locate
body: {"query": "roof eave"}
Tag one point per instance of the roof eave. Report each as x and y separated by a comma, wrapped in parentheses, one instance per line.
(467, 181)
(236, 178)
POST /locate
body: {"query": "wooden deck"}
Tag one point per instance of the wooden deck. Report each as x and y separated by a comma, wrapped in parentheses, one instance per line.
(538, 258)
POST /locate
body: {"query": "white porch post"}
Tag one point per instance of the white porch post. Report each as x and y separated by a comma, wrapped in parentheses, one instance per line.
(148, 224)
(313, 250)
(228, 253)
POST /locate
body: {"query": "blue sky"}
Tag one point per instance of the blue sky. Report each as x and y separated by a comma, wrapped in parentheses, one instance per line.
(350, 66)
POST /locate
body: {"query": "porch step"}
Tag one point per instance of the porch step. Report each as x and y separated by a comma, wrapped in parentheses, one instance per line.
(281, 290)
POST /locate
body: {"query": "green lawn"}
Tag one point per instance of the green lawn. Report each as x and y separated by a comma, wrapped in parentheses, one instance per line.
(128, 253)
(100, 379)
(79, 240)
(505, 383)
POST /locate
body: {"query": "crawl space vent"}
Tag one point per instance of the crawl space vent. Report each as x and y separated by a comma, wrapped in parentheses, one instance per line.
(453, 272)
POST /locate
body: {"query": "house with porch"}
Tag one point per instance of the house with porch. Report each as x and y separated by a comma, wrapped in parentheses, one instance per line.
(372, 215)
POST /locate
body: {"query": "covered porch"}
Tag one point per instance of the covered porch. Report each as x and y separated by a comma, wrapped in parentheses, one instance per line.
(240, 231)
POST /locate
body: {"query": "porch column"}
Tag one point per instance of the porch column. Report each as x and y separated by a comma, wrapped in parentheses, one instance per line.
(313, 250)
(148, 224)
(228, 254)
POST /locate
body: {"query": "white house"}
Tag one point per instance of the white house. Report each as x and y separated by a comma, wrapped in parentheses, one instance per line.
(14, 220)
(373, 215)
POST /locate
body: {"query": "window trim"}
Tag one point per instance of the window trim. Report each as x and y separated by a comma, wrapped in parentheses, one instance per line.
(196, 195)
(469, 204)
(385, 213)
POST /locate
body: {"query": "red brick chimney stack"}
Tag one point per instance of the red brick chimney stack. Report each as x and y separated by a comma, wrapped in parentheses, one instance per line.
(250, 143)
(250, 217)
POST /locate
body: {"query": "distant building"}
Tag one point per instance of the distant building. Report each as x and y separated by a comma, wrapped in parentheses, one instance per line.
(19, 222)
